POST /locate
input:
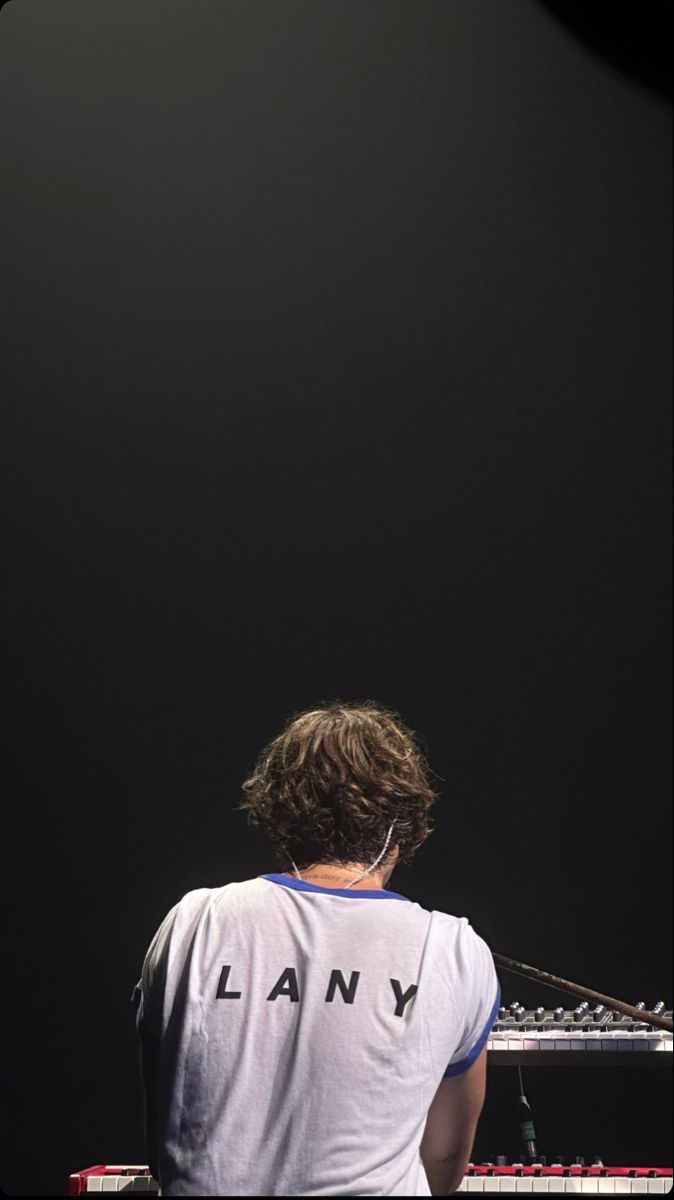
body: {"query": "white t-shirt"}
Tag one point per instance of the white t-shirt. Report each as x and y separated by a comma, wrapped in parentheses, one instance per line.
(303, 1034)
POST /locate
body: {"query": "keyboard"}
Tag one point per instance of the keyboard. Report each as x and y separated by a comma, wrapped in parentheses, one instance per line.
(488, 1180)
(485, 1179)
(558, 1035)
(115, 1178)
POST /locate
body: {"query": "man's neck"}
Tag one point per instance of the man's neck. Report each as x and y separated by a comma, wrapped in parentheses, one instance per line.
(331, 875)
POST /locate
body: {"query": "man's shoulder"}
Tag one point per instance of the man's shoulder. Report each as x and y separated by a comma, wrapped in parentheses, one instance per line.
(199, 898)
(460, 931)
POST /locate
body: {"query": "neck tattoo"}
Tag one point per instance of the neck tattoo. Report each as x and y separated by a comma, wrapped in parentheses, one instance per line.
(329, 875)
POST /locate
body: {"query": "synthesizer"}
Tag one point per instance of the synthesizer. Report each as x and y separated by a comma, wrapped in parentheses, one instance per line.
(598, 1180)
(112, 1178)
(485, 1178)
(582, 1035)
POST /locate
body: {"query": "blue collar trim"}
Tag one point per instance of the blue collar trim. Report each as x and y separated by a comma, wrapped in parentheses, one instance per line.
(300, 885)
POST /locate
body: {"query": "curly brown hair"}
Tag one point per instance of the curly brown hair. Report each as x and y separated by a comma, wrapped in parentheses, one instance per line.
(329, 786)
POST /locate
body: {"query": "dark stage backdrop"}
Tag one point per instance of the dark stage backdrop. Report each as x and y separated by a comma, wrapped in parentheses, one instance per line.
(335, 359)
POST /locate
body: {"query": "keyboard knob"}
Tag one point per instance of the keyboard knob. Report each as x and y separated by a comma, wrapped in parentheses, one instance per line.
(659, 1007)
(597, 1161)
(502, 1014)
(501, 1160)
(539, 1014)
(598, 1012)
(578, 1014)
(514, 1007)
(558, 1015)
(640, 1004)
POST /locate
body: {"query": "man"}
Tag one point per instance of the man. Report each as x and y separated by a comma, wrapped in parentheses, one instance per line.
(308, 1032)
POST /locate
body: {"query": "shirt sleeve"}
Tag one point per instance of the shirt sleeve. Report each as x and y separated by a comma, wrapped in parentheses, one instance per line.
(481, 1000)
(148, 994)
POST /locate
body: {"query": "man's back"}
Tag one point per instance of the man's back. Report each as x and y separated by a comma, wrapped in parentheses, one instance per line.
(303, 1033)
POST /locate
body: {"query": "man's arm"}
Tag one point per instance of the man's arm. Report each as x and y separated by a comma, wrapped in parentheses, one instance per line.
(450, 1127)
(149, 1066)
(148, 996)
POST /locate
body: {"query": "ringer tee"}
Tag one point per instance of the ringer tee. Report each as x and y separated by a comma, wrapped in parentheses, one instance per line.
(303, 1032)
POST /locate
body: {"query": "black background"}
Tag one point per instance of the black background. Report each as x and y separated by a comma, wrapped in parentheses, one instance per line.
(336, 364)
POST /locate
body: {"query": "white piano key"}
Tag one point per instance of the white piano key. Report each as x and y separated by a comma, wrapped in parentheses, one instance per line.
(590, 1186)
(623, 1186)
(606, 1186)
(94, 1183)
(515, 1043)
(577, 1044)
(474, 1183)
(626, 1043)
(540, 1184)
(659, 1187)
(573, 1185)
(639, 1187)
(508, 1184)
(110, 1183)
(556, 1184)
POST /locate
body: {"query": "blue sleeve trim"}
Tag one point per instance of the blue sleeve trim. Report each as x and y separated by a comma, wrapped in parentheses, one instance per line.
(458, 1068)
